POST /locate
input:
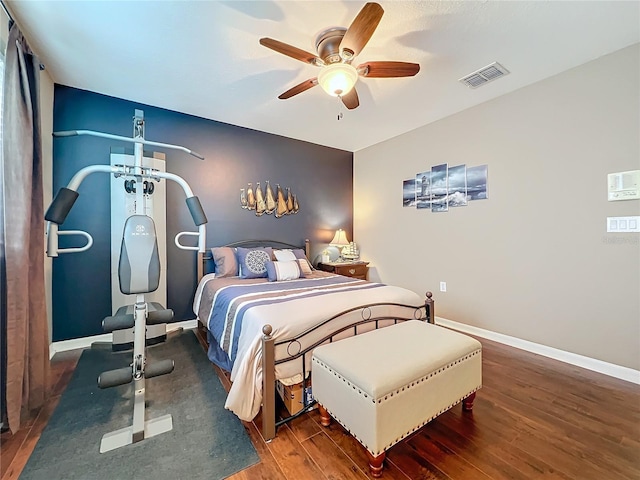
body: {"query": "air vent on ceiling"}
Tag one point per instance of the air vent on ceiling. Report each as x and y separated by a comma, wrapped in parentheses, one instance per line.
(484, 75)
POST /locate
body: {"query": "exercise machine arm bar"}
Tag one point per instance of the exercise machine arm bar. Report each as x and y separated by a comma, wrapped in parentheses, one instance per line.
(66, 197)
(60, 207)
(71, 133)
(196, 210)
(197, 214)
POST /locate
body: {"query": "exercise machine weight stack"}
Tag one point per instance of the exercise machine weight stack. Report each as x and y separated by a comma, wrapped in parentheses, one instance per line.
(126, 199)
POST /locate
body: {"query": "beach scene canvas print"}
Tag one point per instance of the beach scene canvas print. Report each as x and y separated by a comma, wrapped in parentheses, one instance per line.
(439, 189)
(457, 183)
(443, 186)
(409, 193)
(423, 190)
(477, 182)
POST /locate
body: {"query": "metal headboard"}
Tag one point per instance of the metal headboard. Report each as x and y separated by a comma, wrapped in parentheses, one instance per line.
(208, 257)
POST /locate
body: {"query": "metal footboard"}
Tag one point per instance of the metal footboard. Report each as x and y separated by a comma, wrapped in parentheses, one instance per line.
(291, 349)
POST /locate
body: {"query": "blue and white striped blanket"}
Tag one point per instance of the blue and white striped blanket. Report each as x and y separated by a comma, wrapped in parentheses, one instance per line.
(231, 301)
(236, 310)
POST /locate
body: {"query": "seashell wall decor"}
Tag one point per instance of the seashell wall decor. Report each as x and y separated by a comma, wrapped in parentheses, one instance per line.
(266, 201)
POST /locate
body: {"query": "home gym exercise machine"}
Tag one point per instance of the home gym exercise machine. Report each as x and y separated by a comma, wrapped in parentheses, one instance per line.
(138, 271)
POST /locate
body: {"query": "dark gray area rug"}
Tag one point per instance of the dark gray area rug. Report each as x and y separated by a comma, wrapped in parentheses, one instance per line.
(207, 441)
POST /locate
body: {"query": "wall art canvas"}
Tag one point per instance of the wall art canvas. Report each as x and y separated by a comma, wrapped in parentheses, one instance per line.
(439, 189)
(457, 183)
(477, 182)
(409, 193)
(423, 190)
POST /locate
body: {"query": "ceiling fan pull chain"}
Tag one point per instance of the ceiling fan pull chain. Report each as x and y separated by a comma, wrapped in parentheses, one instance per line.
(340, 114)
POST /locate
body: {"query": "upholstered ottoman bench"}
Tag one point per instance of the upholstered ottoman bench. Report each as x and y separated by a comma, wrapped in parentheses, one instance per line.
(385, 384)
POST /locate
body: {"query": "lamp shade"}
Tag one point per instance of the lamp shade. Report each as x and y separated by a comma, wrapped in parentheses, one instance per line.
(338, 78)
(340, 239)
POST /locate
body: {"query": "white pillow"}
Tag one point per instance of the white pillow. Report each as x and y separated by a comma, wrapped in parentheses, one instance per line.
(284, 255)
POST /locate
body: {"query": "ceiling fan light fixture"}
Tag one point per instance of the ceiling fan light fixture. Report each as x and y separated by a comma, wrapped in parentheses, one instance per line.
(338, 79)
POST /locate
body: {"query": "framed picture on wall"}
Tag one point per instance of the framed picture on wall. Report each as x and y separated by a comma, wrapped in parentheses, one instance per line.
(457, 185)
(439, 189)
(423, 190)
(477, 182)
(409, 193)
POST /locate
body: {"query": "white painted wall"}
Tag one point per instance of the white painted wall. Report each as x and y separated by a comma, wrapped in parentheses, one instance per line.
(534, 260)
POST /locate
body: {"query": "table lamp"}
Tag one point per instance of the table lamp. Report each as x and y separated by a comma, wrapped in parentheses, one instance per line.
(340, 241)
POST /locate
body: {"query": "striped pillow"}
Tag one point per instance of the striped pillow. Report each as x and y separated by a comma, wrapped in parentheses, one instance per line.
(285, 270)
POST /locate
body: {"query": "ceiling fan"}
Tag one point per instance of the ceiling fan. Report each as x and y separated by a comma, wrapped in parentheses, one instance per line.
(337, 47)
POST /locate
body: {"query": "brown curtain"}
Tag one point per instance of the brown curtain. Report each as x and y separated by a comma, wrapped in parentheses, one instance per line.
(27, 336)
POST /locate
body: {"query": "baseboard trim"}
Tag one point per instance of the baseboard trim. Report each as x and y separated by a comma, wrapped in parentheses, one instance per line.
(611, 369)
(85, 342)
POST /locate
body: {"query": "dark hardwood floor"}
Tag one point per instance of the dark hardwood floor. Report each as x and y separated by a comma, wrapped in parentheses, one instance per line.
(533, 418)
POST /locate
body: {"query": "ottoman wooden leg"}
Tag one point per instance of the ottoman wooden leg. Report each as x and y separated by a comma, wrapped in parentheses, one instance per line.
(467, 403)
(325, 418)
(376, 464)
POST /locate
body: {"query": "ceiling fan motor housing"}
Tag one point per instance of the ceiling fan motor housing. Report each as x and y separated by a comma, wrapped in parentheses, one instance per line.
(328, 44)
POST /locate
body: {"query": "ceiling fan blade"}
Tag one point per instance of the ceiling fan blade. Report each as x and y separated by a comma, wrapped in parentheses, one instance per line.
(291, 51)
(301, 87)
(350, 100)
(360, 30)
(388, 69)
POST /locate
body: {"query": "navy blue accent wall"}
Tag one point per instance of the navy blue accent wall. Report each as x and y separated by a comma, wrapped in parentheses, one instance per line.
(321, 177)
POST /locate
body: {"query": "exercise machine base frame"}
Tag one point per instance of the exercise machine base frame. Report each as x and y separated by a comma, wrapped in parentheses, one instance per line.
(124, 436)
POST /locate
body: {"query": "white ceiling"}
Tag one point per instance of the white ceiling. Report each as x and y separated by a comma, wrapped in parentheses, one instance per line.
(203, 57)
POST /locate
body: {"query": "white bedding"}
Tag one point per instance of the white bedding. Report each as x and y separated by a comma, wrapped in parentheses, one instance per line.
(289, 318)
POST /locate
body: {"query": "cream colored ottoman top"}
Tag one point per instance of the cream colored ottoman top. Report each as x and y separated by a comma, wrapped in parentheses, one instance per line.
(385, 360)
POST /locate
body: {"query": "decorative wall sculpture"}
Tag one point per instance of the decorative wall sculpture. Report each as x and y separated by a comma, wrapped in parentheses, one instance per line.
(267, 202)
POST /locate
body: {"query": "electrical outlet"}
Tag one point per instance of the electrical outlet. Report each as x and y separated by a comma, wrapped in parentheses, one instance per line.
(443, 286)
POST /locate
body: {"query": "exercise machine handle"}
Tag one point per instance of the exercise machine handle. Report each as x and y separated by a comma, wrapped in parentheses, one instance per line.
(202, 239)
(52, 240)
(196, 210)
(86, 247)
(62, 203)
(198, 216)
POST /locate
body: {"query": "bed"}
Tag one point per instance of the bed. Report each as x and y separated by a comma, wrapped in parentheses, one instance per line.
(263, 329)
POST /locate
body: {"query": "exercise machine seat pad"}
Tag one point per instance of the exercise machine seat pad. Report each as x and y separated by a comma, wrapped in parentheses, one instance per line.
(139, 267)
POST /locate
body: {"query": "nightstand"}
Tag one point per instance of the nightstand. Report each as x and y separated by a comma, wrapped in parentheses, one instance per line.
(349, 269)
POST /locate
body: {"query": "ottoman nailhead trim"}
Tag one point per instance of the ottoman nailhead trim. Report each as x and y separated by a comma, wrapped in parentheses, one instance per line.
(414, 429)
(418, 427)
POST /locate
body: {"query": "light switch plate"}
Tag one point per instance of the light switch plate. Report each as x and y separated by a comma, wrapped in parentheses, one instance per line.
(623, 224)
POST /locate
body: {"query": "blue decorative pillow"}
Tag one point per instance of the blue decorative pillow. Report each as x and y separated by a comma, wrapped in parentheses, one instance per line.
(253, 261)
(283, 270)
